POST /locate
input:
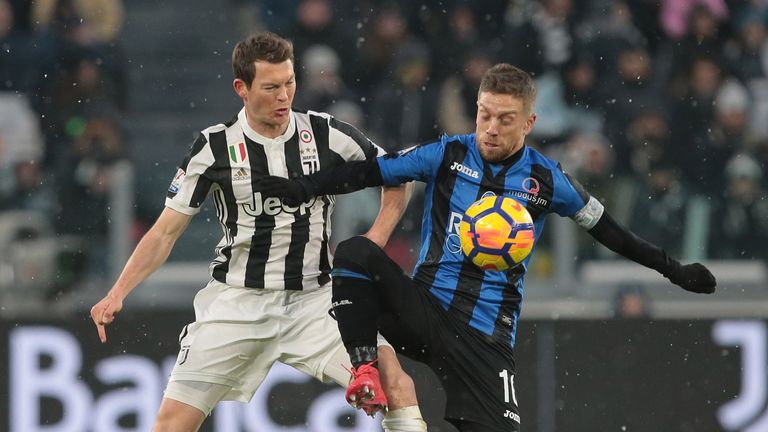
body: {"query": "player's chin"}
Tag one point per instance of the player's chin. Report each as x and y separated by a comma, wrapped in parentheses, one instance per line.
(492, 156)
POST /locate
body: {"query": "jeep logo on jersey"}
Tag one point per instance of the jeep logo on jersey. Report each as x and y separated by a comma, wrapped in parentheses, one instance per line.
(238, 152)
(464, 170)
(273, 206)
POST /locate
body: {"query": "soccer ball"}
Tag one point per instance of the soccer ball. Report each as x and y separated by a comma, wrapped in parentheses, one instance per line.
(496, 233)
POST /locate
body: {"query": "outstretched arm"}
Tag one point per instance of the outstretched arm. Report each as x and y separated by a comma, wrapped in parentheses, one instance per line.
(345, 178)
(394, 201)
(691, 277)
(150, 253)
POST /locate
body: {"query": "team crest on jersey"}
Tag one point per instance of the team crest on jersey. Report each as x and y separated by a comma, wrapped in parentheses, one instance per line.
(531, 185)
(310, 162)
(238, 153)
(305, 136)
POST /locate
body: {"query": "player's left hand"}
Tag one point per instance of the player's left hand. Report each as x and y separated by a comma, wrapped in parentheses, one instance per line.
(290, 191)
(694, 278)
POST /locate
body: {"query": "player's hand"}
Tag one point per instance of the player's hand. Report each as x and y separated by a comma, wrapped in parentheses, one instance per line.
(103, 313)
(290, 191)
(694, 278)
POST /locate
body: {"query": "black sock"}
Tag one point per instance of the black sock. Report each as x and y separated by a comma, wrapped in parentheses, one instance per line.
(355, 305)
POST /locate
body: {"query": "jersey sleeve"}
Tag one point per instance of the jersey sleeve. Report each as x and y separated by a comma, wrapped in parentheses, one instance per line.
(573, 201)
(191, 184)
(351, 144)
(420, 162)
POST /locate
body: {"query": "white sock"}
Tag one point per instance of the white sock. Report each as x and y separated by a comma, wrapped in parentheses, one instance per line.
(406, 419)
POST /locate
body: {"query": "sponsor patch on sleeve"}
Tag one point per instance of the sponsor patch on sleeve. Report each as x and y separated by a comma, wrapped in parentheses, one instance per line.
(588, 216)
(177, 180)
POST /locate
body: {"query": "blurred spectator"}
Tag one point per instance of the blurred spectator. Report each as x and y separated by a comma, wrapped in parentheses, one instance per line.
(84, 196)
(72, 31)
(658, 211)
(315, 24)
(731, 131)
(739, 226)
(457, 103)
(18, 59)
(30, 190)
(404, 108)
(102, 19)
(605, 37)
(566, 101)
(682, 17)
(321, 84)
(693, 148)
(648, 139)
(624, 98)
(750, 54)
(21, 144)
(545, 41)
(588, 157)
(454, 42)
(703, 38)
(631, 302)
(382, 38)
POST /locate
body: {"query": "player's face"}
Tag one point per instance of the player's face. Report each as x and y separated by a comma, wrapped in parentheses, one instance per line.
(269, 97)
(502, 125)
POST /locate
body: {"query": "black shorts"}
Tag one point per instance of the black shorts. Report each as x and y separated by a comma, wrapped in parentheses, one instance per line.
(476, 372)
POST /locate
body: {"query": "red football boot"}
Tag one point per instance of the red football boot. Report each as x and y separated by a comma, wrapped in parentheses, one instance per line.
(364, 390)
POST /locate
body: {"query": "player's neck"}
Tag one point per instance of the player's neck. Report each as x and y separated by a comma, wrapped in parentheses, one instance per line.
(268, 130)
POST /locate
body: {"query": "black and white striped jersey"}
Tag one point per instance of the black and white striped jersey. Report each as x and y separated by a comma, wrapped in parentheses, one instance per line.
(266, 243)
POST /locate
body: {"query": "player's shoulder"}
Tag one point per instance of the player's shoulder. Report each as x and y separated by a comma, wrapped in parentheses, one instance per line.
(220, 127)
(535, 157)
(467, 140)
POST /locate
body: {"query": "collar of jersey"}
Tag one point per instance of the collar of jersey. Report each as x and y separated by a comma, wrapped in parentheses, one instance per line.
(261, 139)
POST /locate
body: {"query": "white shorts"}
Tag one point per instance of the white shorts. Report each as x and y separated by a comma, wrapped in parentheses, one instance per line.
(240, 332)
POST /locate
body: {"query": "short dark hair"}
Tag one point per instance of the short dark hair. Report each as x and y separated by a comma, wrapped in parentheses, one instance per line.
(503, 78)
(264, 46)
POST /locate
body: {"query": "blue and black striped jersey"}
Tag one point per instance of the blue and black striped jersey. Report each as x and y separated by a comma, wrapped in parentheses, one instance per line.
(456, 176)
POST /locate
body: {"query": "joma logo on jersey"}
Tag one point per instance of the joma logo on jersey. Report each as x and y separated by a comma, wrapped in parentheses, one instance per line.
(273, 206)
(464, 170)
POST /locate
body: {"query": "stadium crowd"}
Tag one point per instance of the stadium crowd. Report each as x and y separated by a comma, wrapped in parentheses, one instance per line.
(658, 108)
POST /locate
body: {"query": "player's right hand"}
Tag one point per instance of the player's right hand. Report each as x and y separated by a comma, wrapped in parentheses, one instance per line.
(291, 191)
(103, 313)
(694, 278)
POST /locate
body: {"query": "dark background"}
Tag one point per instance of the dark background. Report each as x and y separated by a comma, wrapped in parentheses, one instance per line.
(633, 375)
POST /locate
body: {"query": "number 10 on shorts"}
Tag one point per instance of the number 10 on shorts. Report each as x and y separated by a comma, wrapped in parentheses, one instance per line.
(509, 386)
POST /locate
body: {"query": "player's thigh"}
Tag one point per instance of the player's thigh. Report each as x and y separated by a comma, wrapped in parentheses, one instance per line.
(187, 402)
(310, 339)
(233, 354)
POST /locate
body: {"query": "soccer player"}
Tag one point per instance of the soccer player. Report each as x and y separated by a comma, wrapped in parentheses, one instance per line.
(452, 315)
(270, 292)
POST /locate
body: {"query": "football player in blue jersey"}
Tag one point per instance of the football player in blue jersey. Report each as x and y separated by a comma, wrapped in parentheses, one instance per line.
(452, 315)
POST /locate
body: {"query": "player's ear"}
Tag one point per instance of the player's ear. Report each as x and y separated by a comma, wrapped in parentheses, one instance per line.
(240, 88)
(529, 123)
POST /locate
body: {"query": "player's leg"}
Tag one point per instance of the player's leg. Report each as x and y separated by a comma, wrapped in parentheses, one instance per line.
(186, 404)
(368, 287)
(402, 416)
(311, 344)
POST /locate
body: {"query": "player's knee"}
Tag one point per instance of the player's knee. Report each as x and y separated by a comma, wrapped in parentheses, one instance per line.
(354, 251)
